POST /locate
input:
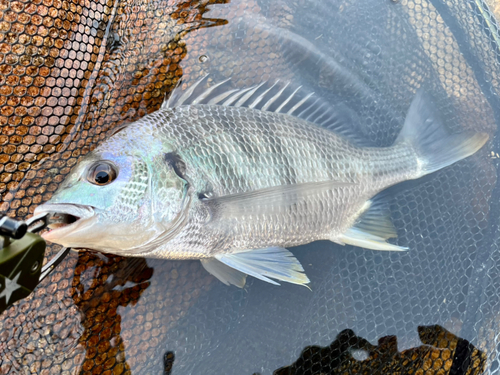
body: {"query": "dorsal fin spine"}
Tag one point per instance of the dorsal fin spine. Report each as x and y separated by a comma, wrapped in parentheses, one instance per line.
(299, 104)
(208, 91)
(314, 113)
(221, 97)
(284, 98)
(189, 92)
(273, 99)
(287, 100)
(234, 97)
(247, 96)
(260, 97)
(301, 114)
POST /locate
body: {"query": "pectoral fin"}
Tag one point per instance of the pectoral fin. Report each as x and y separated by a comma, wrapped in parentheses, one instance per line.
(273, 199)
(273, 262)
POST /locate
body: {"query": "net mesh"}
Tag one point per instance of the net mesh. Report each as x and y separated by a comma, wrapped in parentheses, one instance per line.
(71, 71)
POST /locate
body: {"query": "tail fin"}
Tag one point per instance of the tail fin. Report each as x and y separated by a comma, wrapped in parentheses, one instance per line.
(435, 145)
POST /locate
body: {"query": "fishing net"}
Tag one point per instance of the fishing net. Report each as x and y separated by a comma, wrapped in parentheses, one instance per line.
(71, 71)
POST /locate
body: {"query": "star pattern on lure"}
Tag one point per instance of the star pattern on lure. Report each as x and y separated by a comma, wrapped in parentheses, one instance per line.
(11, 286)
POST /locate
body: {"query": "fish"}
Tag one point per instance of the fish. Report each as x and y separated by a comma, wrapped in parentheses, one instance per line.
(235, 178)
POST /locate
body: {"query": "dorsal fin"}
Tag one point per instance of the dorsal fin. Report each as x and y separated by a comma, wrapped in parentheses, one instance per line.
(277, 96)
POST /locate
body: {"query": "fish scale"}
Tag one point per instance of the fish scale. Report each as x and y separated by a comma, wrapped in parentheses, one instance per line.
(233, 185)
(258, 151)
(268, 168)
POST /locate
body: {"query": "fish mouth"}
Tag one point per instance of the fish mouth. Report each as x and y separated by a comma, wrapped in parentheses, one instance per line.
(64, 218)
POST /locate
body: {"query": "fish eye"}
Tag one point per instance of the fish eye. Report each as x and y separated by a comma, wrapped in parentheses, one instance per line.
(102, 173)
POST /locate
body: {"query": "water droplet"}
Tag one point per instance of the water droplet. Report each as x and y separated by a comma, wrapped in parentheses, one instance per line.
(203, 58)
(360, 354)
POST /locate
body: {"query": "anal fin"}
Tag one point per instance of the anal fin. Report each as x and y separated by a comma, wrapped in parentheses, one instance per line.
(373, 228)
(264, 264)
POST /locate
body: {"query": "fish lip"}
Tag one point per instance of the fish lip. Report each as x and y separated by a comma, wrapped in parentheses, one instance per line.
(77, 210)
(82, 213)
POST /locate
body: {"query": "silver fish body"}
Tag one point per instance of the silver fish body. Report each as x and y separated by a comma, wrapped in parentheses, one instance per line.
(233, 186)
(230, 151)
